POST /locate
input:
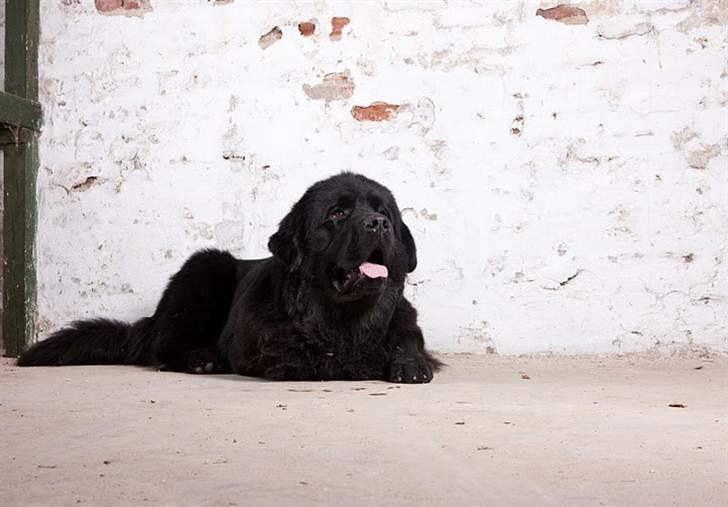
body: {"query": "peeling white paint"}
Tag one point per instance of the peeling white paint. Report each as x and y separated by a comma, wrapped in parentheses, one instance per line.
(589, 230)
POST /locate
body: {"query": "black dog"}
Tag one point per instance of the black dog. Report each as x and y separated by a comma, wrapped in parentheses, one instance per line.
(328, 305)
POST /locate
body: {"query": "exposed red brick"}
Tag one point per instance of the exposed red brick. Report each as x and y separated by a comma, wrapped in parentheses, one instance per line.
(108, 5)
(337, 24)
(307, 28)
(336, 86)
(376, 111)
(273, 36)
(567, 14)
(134, 7)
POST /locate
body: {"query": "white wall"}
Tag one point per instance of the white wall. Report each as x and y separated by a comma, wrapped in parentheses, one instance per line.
(567, 183)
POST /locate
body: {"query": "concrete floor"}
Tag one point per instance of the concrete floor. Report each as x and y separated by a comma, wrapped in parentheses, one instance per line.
(488, 431)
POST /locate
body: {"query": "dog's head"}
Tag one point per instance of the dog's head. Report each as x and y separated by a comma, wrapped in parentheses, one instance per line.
(347, 237)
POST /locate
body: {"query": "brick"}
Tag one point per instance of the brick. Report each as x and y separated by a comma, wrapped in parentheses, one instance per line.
(337, 24)
(376, 111)
(108, 5)
(267, 39)
(307, 28)
(124, 7)
(566, 14)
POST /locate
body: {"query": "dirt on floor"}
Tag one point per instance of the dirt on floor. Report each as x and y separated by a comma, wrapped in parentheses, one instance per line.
(488, 430)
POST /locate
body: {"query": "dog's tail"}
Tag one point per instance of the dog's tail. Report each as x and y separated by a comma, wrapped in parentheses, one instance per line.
(97, 341)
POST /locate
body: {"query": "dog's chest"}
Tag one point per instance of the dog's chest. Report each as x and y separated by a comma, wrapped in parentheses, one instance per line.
(345, 352)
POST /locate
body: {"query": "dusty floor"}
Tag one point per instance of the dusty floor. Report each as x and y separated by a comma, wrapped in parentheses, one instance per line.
(487, 431)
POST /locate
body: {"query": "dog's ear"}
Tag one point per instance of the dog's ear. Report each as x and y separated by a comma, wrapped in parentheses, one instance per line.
(288, 242)
(409, 245)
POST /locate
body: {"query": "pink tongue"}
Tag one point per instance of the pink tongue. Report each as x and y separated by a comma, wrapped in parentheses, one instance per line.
(374, 270)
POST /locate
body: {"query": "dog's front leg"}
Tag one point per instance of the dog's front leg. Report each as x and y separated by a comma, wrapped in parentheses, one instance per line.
(409, 362)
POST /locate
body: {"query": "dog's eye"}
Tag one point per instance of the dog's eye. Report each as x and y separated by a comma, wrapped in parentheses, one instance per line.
(385, 212)
(337, 213)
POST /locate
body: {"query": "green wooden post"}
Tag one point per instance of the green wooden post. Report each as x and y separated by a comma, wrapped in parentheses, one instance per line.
(19, 235)
(21, 48)
(20, 119)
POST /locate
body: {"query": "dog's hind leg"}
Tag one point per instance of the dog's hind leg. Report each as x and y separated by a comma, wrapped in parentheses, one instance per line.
(193, 311)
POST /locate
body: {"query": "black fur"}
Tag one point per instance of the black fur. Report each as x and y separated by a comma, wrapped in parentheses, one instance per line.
(304, 314)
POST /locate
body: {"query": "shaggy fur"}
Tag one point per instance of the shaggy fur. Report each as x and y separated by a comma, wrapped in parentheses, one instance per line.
(307, 313)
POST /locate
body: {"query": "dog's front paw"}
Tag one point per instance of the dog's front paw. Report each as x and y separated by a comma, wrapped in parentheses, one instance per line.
(409, 368)
(207, 360)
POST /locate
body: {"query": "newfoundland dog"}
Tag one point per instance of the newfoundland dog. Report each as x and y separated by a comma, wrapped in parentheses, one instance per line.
(327, 306)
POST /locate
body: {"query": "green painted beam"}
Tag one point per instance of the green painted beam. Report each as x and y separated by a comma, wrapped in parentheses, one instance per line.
(19, 111)
(20, 169)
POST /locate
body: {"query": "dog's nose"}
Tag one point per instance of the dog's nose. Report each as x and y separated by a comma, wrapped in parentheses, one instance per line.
(376, 223)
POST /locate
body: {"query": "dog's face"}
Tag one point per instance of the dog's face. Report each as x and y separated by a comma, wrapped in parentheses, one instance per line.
(347, 238)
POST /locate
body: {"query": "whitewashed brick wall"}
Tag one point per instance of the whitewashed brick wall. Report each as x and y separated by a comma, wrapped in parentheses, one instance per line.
(565, 173)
